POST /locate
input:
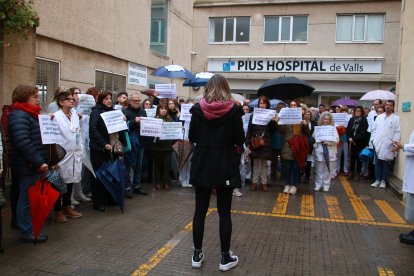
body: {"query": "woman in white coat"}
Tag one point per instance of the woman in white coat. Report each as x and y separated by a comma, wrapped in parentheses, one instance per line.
(408, 185)
(70, 167)
(323, 173)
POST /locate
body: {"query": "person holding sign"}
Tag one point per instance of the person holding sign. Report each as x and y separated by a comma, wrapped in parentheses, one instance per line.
(29, 155)
(260, 154)
(162, 152)
(325, 155)
(358, 137)
(217, 129)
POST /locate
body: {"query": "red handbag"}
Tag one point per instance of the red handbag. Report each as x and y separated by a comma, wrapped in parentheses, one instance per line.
(258, 142)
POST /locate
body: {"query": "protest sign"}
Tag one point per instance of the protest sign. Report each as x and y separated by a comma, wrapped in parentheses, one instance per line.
(151, 112)
(151, 127)
(166, 90)
(341, 119)
(114, 121)
(86, 102)
(325, 133)
(185, 114)
(171, 131)
(246, 119)
(262, 116)
(186, 129)
(290, 116)
(49, 130)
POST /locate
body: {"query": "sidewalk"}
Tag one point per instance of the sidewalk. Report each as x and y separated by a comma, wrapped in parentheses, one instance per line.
(351, 230)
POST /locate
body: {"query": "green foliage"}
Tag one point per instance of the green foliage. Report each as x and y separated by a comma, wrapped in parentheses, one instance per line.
(17, 17)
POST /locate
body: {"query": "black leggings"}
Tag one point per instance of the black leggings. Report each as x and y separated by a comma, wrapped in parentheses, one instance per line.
(224, 197)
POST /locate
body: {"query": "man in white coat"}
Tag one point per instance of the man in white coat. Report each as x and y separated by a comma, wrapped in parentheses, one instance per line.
(385, 130)
(408, 185)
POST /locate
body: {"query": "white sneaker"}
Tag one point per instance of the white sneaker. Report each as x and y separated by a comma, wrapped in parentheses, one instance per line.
(74, 202)
(293, 190)
(376, 184)
(82, 198)
(189, 185)
(326, 189)
(317, 189)
(383, 184)
(228, 262)
(197, 259)
(236, 192)
(286, 190)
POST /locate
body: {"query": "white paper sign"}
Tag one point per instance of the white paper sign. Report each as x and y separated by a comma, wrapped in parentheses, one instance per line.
(86, 102)
(49, 130)
(246, 119)
(172, 131)
(151, 112)
(168, 91)
(114, 121)
(262, 116)
(151, 127)
(185, 114)
(290, 116)
(325, 133)
(186, 129)
(341, 119)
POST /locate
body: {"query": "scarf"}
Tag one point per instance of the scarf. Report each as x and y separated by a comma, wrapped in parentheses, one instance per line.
(357, 121)
(215, 109)
(32, 110)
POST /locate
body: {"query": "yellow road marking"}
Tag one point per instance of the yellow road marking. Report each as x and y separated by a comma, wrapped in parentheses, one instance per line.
(334, 209)
(385, 271)
(281, 204)
(161, 253)
(359, 207)
(307, 206)
(351, 221)
(391, 214)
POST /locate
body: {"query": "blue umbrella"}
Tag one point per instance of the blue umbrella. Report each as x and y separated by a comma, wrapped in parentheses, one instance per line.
(172, 71)
(111, 176)
(273, 103)
(198, 80)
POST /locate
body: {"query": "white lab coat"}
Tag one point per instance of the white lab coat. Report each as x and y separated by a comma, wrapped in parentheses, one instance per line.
(408, 181)
(71, 166)
(385, 130)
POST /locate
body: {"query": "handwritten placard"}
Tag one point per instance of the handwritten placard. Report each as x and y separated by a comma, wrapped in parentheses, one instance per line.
(262, 116)
(186, 129)
(172, 131)
(49, 130)
(341, 119)
(325, 133)
(185, 114)
(168, 91)
(151, 112)
(114, 121)
(151, 127)
(290, 116)
(246, 119)
(86, 102)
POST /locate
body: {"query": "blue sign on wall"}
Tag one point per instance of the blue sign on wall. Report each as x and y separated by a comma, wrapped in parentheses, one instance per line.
(406, 106)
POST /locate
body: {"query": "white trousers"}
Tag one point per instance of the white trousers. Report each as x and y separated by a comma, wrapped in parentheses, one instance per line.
(323, 176)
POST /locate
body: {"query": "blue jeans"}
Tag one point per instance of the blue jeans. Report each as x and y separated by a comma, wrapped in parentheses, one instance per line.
(382, 169)
(136, 171)
(23, 207)
(291, 172)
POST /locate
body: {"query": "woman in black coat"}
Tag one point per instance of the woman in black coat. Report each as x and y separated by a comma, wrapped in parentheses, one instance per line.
(216, 128)
(357, 135)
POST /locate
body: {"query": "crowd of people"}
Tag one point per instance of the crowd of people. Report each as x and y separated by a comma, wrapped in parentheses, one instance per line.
(228, 151)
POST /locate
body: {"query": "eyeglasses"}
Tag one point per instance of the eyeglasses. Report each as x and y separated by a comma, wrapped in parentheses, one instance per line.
(136, 101)
(70, 99)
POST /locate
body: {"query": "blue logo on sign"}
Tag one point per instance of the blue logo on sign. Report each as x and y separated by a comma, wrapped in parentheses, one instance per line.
(226, 67)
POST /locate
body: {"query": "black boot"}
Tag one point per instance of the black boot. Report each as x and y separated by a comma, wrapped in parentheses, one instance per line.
(407, 238)
(228, 261)
(197, 259)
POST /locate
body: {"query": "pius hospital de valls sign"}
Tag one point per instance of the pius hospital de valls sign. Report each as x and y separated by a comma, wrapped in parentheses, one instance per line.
(297, 65)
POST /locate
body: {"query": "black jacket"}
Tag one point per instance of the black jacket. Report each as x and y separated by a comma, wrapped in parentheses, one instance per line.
(266, 131)
(360, 135)
(98, 133)
(215, 162)
(28, 151)
(131, 113)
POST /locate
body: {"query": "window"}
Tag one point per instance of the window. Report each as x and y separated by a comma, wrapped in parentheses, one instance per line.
(360, 28)
(110, 82)
(286, 28)
(229, 30)
(47, 79)
(159, 12)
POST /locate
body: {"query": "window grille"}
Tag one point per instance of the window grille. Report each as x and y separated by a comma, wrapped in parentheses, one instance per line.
(47, 79)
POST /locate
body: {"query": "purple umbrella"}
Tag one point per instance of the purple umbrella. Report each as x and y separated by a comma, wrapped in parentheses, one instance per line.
(347, 102)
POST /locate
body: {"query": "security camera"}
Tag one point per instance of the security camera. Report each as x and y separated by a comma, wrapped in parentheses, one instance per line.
(193, 53)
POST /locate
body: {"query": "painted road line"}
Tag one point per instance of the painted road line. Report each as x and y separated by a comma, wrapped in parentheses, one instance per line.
(385, 272)
(389, 212)
(307, 206)
(281, 204)
(359, 207)
(165, 250)
(334, 209)
(350, 221)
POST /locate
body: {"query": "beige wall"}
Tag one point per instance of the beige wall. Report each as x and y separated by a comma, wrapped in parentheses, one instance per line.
(405, 83)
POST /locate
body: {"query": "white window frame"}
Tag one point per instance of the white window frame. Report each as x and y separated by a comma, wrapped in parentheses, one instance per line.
(365, 29)
(224, 30)
(279, 41)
